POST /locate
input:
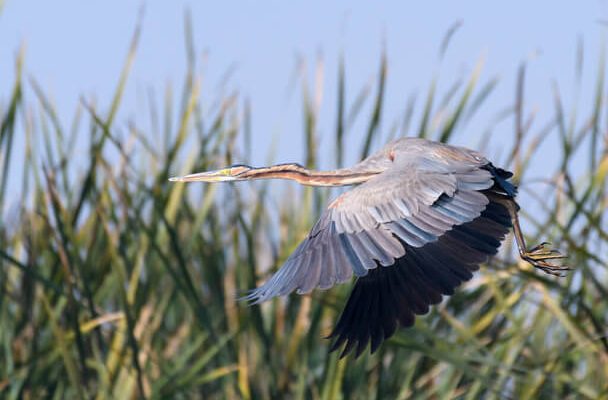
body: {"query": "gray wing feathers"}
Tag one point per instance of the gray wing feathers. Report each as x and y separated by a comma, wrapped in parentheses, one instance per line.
(325, 260)
(362, 227)
(386, 198)
(433, 221)
(401, 194)
(475, 180)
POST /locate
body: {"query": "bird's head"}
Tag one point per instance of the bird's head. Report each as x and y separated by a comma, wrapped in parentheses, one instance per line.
(233, 173)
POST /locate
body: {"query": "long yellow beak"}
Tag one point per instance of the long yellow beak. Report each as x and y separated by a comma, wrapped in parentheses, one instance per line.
(221, 175)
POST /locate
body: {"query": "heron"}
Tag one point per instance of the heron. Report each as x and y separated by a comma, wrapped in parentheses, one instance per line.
(421, 218)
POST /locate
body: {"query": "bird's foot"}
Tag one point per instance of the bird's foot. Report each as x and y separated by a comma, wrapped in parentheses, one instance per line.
(540, 257)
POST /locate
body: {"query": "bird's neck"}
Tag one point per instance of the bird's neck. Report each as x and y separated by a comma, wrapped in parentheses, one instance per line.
(304, 176)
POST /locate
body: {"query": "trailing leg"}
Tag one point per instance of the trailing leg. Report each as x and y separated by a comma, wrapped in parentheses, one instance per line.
(539, 256)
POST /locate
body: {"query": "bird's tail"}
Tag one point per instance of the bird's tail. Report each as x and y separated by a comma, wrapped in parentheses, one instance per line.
(501, 180)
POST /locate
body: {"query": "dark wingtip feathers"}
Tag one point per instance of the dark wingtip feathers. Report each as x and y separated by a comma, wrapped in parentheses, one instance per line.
(390, 296)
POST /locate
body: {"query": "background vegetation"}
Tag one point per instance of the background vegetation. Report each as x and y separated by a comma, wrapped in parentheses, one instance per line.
(115, 283)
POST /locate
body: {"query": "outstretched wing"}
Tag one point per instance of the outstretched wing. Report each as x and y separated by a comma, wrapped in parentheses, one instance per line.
(411, 204)
(386, 297)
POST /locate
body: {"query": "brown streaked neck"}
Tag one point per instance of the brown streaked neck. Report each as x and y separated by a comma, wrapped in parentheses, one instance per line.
(298, 173)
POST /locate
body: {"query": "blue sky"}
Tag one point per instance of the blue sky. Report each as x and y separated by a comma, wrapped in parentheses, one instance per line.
(76, 48)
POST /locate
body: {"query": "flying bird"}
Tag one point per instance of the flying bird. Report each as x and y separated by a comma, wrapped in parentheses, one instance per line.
(421, 219)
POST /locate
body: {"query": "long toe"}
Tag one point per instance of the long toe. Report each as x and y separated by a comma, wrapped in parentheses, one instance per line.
(540, 257)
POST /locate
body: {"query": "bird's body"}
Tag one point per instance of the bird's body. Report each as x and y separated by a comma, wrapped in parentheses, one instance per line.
(423, 216)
